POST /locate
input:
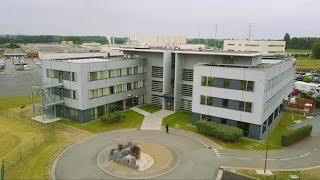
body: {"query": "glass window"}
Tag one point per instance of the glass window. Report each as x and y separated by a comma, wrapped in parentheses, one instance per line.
(241, 106)
(248, 107)
(104, 74)
(203, 100)
(135, 70)
(140, 69)
(225, 103)
(226, 83)
(210, 81)
(112, 73)
(204, 81)
(218, 82)
(250, 86)
(209, 101)
(93, 76)
(124, 71)
(73, 76)
(129, 86)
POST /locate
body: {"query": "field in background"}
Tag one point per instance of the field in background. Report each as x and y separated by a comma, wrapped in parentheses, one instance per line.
(308, 64)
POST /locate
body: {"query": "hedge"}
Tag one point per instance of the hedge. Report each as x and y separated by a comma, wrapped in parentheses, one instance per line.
(220, 131)
(294, 136)
(114, 117)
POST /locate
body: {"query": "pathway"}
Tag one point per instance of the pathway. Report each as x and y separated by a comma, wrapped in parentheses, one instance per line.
(152, 121)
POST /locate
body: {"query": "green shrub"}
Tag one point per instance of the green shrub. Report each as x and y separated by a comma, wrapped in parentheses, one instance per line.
(220, 131)
(294, 136)
(307, 79)
(111, 118)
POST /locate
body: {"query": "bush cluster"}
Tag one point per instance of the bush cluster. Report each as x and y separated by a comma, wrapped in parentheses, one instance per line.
(294, 136)
(111, 118)
(220, 131)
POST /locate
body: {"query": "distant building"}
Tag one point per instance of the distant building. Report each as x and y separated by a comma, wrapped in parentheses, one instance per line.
(157, 41)
(14, 53)
(269, 47)
(66, 43)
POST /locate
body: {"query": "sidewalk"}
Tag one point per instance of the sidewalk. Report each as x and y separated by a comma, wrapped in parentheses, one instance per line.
(152, 121)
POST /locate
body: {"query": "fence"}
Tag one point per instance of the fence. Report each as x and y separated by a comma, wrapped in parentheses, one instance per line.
(11, 159)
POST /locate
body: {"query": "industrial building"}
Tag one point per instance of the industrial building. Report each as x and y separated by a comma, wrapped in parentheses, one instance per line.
(234, 88)
(269, 47)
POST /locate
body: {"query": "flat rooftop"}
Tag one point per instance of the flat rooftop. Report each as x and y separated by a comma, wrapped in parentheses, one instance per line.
(84, 61)
(266, 64)
(212, 52)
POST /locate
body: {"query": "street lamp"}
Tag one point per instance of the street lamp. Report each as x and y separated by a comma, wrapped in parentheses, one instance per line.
(267, 148)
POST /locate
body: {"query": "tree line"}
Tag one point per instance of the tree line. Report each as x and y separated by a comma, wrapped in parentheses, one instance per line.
(300, 42)
(13, 39)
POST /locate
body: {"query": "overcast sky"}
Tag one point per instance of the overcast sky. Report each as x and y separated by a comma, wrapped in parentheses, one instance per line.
(191, 18)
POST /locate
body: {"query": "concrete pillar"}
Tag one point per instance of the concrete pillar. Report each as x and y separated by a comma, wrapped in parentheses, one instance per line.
(167, 63)
(177, 81)
(124, 104)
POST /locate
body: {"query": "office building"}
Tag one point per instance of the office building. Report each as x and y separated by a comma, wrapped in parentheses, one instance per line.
(234, 88)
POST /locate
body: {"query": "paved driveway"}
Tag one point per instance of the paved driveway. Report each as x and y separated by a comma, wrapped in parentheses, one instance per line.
(197, 160)
(80, 160)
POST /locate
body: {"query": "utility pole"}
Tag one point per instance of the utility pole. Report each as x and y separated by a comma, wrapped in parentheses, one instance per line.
(215, 31)
(251, 28)
(2, 170)
(267, 148)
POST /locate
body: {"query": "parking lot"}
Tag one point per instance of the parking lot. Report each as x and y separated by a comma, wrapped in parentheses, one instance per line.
(17, 83)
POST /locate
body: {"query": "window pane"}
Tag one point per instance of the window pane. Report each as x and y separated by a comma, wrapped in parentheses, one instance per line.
(226, 83)
(250, 86)
(202, 100)
(203, 80)
(248, 107)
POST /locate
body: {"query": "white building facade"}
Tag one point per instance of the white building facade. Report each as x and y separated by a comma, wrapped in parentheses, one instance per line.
(234, 88)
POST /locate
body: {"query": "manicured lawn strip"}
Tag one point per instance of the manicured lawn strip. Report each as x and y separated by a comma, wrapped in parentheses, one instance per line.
(13, 102)
(283, 175)
(182, 120)
(149, 108)
(132, 120)
(286, 120)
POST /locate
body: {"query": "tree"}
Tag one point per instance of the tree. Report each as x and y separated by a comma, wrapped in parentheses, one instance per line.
(287, 38)
(316, 50)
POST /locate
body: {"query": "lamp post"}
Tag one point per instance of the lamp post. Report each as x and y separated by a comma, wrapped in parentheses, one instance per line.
(267, 148)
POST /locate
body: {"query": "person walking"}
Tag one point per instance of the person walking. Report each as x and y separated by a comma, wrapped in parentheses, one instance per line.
(167, 128)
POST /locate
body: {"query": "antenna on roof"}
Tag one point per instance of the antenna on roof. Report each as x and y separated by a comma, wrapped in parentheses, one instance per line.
(251, 28)
(215, 31)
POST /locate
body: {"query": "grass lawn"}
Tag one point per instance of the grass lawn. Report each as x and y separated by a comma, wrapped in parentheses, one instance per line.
(38, 144)
(182, 120)
(287, 119)
(18, 131)
(12, 102)
(283, 175)
(308, 64)
(149, 108)
(132, 120)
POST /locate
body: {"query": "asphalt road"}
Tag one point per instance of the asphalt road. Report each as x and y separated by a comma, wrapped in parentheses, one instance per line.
(80, 160)
(18, 83)
(197, 160)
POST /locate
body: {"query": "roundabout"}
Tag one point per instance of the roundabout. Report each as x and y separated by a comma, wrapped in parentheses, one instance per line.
(176, 156)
